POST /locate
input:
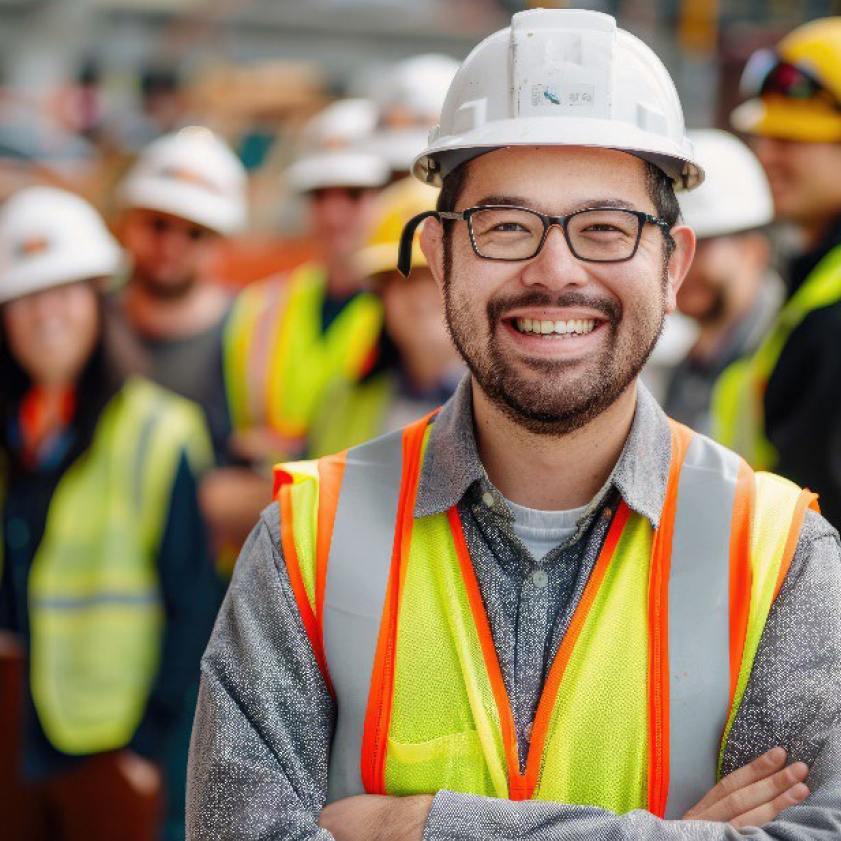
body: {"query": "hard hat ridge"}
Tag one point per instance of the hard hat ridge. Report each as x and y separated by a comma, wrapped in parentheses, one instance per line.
(562, 77)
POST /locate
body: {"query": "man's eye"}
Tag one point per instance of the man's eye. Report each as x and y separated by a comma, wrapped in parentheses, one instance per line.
(604, 228)
(509, 226)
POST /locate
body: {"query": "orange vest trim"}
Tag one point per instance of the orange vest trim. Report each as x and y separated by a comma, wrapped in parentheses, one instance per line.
(378, 713)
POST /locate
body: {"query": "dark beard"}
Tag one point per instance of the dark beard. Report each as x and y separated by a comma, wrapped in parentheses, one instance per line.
(535, 407)
(168, 291)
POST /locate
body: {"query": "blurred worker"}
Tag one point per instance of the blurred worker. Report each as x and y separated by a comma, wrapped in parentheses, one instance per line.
(106, 577)
(418, 367)
(409, 98)
(291, 337)
(184, 195)
(780, 409)
(729, 290)
(547, 612)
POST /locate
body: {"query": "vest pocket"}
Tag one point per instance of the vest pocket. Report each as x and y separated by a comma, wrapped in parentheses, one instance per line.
(454, 761)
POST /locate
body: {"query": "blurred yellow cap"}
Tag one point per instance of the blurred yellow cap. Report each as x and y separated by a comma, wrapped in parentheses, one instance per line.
(815, 50)
(396, 205)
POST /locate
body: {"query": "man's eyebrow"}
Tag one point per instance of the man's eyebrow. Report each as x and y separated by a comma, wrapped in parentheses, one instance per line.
(521, 201)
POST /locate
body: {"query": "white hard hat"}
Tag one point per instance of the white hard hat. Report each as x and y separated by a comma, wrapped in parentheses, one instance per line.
(409, 98)
(735, 195)
(191, 174)
(562, 77)
(336, 153)
(49, 237)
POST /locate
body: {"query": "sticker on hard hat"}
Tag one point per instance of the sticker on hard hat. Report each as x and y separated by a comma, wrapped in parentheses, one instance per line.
(188, 176)
(30, 247)
(569, 96)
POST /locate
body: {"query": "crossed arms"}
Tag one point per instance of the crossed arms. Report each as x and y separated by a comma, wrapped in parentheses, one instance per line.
(258, 765)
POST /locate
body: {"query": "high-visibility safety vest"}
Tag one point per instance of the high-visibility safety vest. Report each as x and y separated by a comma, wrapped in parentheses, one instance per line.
(640, 698)
(279, 361)
(738, 410)
(352, 412)
(95, 608)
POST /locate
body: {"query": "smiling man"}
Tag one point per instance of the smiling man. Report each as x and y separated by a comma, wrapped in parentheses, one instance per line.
(547, 611)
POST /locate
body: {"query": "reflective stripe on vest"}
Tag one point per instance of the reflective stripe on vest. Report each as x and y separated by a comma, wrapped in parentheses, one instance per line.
(704, 629)
(699, 621)
(279, 360)
(738, 408)
(95, 608)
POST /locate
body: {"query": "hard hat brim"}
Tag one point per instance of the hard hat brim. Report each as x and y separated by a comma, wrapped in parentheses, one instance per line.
(441, 158)
(28, 280)
(788, 119)
(337, 169)
(191, 203)
(399, 147)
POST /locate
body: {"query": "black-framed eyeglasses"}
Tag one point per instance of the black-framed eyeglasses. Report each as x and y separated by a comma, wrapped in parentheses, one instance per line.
(766, 74)
(513, 234)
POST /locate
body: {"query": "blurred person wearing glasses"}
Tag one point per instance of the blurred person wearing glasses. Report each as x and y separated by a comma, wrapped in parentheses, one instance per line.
(106, 577)
(547, 611)
(418, 368)
(779, 408)
(293, 337)
(730, 290)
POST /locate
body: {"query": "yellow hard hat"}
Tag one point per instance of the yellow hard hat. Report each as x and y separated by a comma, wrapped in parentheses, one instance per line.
(795, 88)
(397, 204)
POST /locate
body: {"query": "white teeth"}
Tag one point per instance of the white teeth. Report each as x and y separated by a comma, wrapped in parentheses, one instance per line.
(560, 328)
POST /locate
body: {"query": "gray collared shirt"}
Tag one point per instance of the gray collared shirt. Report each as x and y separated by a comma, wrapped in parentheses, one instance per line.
(261, 741)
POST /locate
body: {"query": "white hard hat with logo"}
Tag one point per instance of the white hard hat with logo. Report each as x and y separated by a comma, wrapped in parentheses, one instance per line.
(336, 153)
(735, 195)
(562, 77)
(50, 237)
(409, 99)
(193, 175)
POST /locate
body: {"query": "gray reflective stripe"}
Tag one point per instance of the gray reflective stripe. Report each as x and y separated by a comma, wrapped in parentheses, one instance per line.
(357, 576)
(699, 617)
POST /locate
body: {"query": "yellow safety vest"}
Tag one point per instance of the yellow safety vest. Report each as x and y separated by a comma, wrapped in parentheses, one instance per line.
(279, 362)
(352, 412)
(738, 408)
(639, 700)
(94, 602)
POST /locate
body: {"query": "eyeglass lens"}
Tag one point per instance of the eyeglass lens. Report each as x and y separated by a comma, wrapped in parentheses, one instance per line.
(512, 234)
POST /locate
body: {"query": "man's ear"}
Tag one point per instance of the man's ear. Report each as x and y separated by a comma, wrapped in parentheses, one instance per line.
(679, 262)
(432, 245)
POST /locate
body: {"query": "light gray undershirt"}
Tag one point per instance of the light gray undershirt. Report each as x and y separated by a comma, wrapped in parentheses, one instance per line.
(543, 531)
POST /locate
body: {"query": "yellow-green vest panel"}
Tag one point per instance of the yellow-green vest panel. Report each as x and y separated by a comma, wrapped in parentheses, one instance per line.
(738, 410)
(95, 610)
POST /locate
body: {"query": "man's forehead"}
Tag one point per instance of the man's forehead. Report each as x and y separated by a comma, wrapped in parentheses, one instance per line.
(557, 178)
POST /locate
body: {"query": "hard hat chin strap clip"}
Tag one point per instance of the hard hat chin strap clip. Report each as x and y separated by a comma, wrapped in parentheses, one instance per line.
(404, 255)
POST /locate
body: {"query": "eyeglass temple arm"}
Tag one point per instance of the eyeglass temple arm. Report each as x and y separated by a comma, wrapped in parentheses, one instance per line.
(404, 255)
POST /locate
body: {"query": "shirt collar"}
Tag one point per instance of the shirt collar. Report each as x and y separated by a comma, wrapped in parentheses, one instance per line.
(452, 464)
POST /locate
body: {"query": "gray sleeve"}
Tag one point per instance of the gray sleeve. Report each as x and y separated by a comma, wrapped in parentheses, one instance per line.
(264, 720)
(793, 699)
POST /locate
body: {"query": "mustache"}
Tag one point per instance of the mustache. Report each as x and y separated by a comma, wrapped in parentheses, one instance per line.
(497, 307)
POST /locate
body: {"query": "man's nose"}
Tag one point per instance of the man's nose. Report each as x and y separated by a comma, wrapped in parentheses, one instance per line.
(555, 266)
